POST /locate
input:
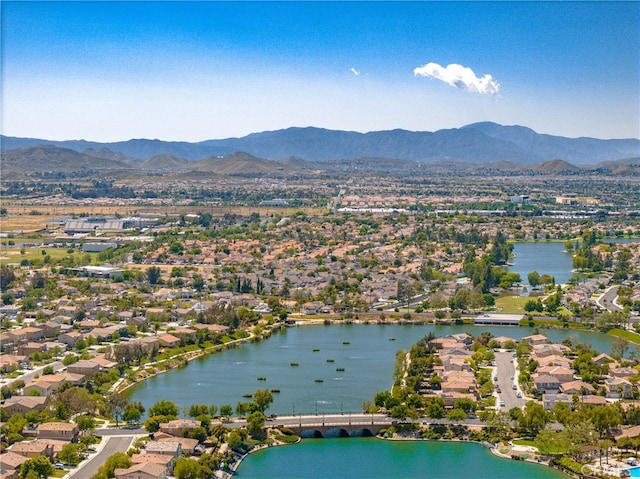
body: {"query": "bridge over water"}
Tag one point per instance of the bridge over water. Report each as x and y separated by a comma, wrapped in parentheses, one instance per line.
(334, 425)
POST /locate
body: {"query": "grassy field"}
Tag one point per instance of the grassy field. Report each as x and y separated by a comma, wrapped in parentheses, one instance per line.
(624, 334)
(511, 304)
(14, 255)
(531, 442)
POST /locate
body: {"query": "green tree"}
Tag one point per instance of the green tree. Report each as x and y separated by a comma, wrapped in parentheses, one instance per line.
(187, 468)
(154, 275)
(39, 464)
(456, 415)
(262, 399)
(71, 454)
(119, 460)
(534, 418)
(226, 410)
(255, 424)
(164, 408)
(85, 422)
(534, 279)
(116, 405)
(132, 414)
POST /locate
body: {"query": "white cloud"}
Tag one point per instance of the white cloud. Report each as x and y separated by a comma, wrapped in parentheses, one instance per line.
(460, 77)
(354, 71)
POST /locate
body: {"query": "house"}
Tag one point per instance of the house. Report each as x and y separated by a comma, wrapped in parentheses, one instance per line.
(31, 449)
(64, 431)
(168, 448)
(624, 372)
(9, 362)
(70, 338)
(550, 400)
(618, 388)
(84, 367)
(541, 351)
(40, 388)
(144, 470)
(562, 374)
(535, 339)
(545, 384)
(187, 444)
(577, 387)
(24, 404)
(603, 358)
(169, 340)
(50, 329)
(30, 347)
(10, 463)
(456, 364)
(33, 333)
(593, 400)
(166, 461)
(177, 426)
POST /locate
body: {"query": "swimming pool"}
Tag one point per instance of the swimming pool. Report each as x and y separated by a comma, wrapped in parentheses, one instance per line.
(633, 471)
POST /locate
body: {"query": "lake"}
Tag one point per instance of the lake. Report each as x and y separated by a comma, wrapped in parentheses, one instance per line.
(366, 352)
(375, 458)
(545, 257)
(548, 257)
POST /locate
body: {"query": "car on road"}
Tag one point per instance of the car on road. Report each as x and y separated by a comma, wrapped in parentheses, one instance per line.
(519, 395)
(501, 403)
(498, 390)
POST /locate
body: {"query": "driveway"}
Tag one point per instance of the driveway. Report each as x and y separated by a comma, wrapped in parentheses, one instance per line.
(505, 370)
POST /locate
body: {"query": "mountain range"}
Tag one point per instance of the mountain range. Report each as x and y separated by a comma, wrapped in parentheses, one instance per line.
(483, 142)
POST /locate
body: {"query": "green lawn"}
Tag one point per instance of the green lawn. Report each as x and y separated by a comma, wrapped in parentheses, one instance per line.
(511, 304)
(532, 442)
(624, 334)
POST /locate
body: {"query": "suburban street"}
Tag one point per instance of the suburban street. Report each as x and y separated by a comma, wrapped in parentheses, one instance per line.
(112, 444)
(607, 299)
(505, 370)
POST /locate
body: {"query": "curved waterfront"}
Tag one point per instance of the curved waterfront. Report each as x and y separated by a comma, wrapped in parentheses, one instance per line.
(545, 257)
(368, 361)
(375, 458)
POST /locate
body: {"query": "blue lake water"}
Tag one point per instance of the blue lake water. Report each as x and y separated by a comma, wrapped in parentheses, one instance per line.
(373, 458)
(368, 360)
(545, 257)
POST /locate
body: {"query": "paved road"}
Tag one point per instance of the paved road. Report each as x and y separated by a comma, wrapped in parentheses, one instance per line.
(30, 374)
(606, 301)
(505, 370)
(90, 466)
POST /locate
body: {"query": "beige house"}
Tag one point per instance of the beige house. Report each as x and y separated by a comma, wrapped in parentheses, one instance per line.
(84, 367)
(24, 404)
(64, 431)
(144, 470)
(31, 449)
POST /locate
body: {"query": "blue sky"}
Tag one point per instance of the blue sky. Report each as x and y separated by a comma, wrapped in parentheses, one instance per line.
(110, 71)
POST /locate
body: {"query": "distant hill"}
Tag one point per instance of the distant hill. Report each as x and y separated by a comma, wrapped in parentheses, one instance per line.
(556, 167)
(476, 143)
(164, 162)
(51, 159)
(239, 163)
